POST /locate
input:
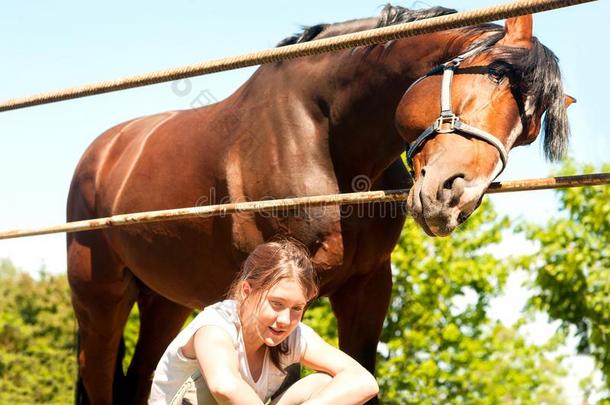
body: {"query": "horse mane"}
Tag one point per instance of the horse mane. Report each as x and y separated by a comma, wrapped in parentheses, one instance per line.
(537, 68)
(307, 34)
(544, 79)
(390, 15)
(539, 77)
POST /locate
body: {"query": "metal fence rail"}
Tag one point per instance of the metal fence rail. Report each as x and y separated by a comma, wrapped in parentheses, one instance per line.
(369, 37)
(367, 197)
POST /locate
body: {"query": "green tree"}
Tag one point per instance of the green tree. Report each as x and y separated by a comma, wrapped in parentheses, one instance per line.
(37, 330)
(38, 338)
(572, 266)
(438, 343)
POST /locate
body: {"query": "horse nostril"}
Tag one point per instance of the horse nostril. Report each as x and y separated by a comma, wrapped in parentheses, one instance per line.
(423, 172)
(448, 184)
(462, 217)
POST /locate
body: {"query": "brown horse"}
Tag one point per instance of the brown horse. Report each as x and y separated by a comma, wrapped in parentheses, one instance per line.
(315, 125)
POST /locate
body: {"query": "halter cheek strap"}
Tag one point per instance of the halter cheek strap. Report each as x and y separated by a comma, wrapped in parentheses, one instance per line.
(448, 122)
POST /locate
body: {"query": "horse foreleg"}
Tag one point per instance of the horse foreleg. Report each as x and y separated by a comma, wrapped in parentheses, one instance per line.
(360, 306)
(160, 321)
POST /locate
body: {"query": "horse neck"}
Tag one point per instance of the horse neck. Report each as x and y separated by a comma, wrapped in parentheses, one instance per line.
(362, 94)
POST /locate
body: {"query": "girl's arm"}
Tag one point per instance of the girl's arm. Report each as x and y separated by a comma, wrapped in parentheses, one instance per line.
(351, 383)
(218, 361)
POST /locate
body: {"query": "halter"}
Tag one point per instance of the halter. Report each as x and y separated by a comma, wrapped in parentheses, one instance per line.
(448, 122)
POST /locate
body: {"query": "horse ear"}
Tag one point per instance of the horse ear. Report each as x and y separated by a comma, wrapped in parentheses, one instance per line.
(518, 32)
(537, 120)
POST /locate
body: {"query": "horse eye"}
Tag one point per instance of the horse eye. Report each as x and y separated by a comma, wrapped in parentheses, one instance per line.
(496, 75)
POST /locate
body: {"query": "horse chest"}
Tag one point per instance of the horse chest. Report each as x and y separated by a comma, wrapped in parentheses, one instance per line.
(322, 233)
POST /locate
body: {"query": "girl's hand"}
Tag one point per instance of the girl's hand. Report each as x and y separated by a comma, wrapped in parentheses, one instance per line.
(351, 383)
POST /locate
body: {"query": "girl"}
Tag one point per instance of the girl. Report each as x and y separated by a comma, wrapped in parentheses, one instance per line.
(237, 351)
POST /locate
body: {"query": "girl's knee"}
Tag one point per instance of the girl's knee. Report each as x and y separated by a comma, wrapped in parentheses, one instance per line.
(303, 389)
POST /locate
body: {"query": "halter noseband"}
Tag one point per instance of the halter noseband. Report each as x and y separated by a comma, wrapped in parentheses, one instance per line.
(448, 122)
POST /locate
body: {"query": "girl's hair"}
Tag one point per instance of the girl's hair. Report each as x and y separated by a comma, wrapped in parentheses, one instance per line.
(269, 263)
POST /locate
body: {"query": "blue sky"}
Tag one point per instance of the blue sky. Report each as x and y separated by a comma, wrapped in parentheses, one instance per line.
(51, 45)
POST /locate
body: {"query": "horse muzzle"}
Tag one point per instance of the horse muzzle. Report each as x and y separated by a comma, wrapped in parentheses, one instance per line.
(439, 203)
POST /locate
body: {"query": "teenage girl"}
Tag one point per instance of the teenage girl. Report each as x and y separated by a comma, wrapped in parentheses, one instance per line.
(237, 351)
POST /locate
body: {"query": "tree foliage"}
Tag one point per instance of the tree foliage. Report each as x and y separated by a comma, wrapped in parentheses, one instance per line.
(439, 344)
(572, 266)
(37, 335)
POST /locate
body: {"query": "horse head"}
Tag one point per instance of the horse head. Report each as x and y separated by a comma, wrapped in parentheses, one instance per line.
(492, 98)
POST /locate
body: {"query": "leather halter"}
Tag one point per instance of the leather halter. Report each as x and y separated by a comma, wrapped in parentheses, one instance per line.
(448, 122)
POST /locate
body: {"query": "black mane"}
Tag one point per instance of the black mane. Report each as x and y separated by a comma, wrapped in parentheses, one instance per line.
(536, 69)
(307, 34)
(540, 70)
(539, 77)
(390, 15)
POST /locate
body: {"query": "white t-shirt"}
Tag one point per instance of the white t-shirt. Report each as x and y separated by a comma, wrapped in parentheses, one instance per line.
(174, 368)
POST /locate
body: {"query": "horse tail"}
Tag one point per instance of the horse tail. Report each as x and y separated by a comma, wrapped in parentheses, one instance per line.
(119, 386)
(80, 395)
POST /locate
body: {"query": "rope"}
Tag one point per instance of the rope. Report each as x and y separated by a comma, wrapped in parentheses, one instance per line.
(290, 203)
(369, 37)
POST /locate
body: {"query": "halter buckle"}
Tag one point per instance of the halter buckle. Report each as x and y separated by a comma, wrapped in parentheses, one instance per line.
(453, 63)
(449, 120)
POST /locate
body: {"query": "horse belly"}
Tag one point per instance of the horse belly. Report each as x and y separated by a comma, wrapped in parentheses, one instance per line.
(191, 263)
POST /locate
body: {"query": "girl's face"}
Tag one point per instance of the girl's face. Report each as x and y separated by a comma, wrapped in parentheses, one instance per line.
(280, 310)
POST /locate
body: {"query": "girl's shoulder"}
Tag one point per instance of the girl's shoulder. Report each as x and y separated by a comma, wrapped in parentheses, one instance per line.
(227, 309)
(223, 314)
(303, 332)
(297, 343)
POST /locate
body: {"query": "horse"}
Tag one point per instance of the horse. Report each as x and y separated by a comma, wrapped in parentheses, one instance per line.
(310, 126)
